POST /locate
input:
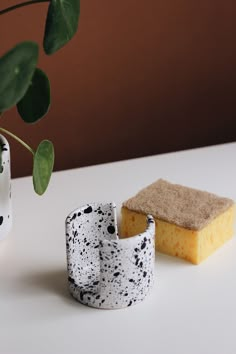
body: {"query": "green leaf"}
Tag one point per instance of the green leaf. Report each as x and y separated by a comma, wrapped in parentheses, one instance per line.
(43, 166)
(16, 70)
(61, 24)
(36, 102)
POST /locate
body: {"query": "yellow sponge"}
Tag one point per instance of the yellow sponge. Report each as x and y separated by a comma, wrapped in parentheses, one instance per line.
(190, 224)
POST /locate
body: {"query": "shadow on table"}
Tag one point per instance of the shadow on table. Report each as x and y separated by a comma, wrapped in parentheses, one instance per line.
(170, 260)
(53, 282)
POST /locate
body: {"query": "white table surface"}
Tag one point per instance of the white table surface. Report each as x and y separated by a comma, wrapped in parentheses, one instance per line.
(192, 309)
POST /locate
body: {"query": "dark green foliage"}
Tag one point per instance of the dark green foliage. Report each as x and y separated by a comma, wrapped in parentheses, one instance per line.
(36, 102)
(61, 25)
(43, 166)
(16, 71)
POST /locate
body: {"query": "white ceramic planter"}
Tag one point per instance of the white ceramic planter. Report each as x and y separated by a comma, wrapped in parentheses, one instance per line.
(5, 190)
(103, 270)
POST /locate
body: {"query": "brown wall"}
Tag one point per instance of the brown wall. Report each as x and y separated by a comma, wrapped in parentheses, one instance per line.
(141, 77)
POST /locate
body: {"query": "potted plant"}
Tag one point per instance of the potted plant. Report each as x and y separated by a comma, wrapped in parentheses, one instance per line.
(24, 85)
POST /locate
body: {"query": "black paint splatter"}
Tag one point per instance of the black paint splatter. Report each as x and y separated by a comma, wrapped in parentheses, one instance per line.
(116, 274)
(73, 217)
(111, 229)
(88, 210)
(3, 147)
(71, 280)
(143, 245)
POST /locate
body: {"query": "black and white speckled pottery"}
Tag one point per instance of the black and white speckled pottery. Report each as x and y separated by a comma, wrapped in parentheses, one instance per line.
(103, 270)
(5, 190)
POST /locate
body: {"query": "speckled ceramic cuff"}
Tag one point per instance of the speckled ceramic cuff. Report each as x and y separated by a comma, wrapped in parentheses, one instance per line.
(5, 189)
(103, 270)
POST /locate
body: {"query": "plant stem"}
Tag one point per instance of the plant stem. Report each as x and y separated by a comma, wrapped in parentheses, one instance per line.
(17, 139)
(17, 6)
